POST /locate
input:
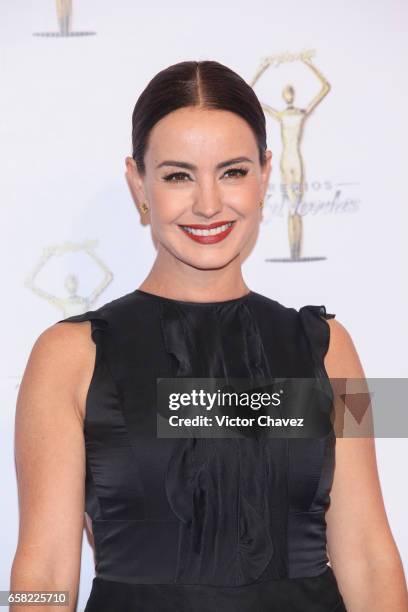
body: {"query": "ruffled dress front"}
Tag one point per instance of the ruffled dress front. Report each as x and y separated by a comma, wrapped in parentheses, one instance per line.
(204, 524)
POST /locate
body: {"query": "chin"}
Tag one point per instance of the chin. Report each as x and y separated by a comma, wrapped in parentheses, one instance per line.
(208, 261)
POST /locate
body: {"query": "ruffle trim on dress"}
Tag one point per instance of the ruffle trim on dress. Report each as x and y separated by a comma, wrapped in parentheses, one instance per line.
(181, 329)
(314, 321)
(220, 489)
(317, 330)
(98, 322)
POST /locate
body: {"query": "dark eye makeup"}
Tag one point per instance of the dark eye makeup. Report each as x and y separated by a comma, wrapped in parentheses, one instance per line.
(171, 177)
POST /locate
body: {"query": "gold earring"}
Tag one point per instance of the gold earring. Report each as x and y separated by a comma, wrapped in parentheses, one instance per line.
(261, 204)
(144, 207)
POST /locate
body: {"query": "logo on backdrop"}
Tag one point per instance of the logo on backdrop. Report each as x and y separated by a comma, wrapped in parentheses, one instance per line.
(64, 16)
(292, 119)
(72, 302)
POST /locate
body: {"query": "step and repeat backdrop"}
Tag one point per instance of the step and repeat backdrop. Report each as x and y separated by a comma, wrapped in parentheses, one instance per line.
(332, 81)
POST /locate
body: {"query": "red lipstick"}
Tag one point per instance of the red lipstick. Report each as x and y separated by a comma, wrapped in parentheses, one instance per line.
(209, 238)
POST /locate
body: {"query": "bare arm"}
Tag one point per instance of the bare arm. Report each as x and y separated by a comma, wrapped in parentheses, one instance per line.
(361, 547)
(50, 462)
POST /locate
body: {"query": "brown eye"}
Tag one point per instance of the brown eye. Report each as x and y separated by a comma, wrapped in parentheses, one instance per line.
(175, 177)
(239, 171)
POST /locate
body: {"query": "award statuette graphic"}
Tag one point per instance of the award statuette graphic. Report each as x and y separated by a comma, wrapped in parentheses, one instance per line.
(292, 120)
(64, 16)
(73, 303)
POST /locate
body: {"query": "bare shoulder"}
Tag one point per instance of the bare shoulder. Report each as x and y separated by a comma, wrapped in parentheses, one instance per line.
(342, 359)
(63, 357)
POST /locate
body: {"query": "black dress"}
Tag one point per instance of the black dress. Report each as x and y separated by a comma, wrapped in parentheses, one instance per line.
(198, 524)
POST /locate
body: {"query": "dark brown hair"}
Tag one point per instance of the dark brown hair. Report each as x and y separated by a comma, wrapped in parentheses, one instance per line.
(206, 84)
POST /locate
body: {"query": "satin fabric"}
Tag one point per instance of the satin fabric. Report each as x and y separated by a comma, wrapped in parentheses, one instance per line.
(318, 594)
(198, 524)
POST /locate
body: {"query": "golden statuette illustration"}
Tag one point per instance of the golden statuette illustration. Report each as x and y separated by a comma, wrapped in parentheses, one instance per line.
(292, 120)
(73, 303)
(64, 17)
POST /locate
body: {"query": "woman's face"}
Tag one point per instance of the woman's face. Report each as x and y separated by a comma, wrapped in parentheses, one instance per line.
(192, 179)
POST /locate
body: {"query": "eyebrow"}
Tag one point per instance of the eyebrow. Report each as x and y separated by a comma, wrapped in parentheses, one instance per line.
(181, 164)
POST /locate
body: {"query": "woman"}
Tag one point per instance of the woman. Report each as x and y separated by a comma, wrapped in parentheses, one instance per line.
(195, 524)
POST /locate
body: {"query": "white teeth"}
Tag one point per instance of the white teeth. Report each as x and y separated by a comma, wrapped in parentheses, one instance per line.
(206, 232)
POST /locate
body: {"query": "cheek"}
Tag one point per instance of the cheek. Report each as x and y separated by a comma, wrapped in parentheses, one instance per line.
(171, 203)
(168, 205)
(246, 207)
(243, 197)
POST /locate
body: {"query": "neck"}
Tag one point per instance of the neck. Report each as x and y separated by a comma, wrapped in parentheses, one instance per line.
(181, 281)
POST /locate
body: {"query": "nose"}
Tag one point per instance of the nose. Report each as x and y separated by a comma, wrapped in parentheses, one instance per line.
(207, 201)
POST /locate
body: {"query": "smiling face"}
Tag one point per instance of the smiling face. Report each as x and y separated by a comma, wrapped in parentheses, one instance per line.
(202, 169)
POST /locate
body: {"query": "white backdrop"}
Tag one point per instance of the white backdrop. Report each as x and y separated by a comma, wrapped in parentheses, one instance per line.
(65, 129)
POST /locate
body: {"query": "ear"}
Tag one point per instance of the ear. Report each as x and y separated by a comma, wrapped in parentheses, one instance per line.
(134, 181)
(266, 172)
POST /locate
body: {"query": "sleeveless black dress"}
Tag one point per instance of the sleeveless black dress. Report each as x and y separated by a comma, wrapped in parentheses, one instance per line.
(203, 525)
